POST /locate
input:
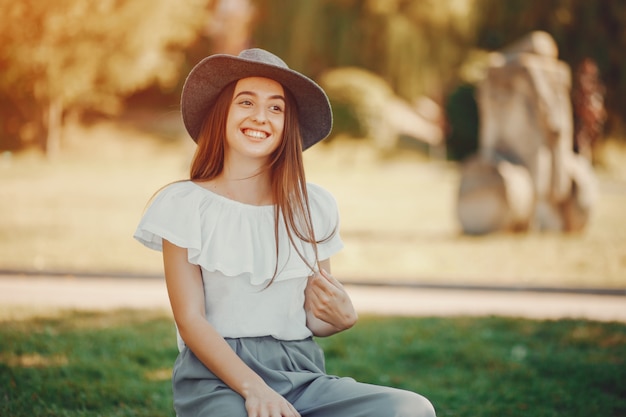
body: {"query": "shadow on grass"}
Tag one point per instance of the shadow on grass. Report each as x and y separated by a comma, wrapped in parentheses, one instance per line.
(87, 364)
(119, 364)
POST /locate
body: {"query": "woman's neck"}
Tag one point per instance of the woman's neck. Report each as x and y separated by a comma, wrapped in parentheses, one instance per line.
(245, 187)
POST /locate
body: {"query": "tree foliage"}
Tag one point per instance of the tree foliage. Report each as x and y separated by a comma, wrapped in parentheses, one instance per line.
(58, 56)
(421, 47)
(85, 54)
(581, 28)
(416, 46)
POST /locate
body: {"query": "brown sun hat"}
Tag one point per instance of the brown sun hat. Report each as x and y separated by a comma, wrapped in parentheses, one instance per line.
(213, 73)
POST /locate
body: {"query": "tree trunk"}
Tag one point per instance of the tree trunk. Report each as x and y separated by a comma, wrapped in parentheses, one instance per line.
(52, 145)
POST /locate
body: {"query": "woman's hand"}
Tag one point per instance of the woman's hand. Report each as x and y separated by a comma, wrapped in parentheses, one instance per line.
(184, 284)
(262, 401)
(327, 301)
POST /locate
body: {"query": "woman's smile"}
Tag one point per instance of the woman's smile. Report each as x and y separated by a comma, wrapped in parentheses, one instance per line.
(255, 134)
(256, 118)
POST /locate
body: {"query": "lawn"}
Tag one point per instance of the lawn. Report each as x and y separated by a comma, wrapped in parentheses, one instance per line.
(77, 213)
(119, 364)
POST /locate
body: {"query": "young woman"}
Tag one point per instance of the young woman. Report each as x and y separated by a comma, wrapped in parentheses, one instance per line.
(246, 251)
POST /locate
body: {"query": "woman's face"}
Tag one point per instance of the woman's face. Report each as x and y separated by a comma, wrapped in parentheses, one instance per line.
(256, 118)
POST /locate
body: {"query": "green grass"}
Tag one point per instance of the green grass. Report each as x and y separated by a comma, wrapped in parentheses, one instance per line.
(119, 364)
(86, 364)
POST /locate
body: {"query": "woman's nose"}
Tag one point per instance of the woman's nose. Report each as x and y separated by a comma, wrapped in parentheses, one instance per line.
(259, 115)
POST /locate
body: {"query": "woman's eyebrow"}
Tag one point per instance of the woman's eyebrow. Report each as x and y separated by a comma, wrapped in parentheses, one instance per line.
(252, 93)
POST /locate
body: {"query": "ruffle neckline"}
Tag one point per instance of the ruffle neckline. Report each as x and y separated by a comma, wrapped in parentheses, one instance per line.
(227, 200)
(234, 238)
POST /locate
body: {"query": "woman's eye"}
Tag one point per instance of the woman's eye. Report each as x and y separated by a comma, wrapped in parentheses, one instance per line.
(245, 103)
(276, 108)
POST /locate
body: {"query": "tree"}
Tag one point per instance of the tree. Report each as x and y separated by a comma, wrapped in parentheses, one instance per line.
(416, 46)
(65, 55)
(581, 28)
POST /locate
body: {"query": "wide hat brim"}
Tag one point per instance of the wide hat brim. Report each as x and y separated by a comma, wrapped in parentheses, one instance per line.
(213, 73)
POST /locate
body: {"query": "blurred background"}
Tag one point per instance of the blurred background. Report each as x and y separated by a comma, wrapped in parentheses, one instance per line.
(90, 129)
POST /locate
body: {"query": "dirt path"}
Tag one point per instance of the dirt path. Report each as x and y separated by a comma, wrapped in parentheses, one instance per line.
(22, 296)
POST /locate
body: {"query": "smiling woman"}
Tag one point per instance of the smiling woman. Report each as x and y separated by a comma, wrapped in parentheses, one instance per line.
(246, 245)
(254, 126)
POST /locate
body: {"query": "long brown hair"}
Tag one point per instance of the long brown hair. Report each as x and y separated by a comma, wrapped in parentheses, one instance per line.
(286, 167)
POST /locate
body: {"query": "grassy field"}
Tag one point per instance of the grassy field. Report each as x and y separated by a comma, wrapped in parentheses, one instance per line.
(118, 364)
(78, 213)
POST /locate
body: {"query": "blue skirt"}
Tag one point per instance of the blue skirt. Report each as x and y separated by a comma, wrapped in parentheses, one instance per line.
(296, 370)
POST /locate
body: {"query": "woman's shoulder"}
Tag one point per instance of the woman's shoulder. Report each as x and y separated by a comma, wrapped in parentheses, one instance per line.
(184, 190)
(320, 196)
(180, 196)
(323, 207)
(177, 187)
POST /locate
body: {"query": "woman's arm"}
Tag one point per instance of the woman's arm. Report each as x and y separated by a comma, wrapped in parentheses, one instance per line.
(186, 293)
(328, 307)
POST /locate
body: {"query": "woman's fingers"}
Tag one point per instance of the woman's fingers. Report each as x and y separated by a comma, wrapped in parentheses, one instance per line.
(331, 279)
(328, 301)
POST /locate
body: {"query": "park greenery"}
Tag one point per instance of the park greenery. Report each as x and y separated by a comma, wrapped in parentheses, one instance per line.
(61, 57)
(70, 59)
(83, 364)
(65, 63)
